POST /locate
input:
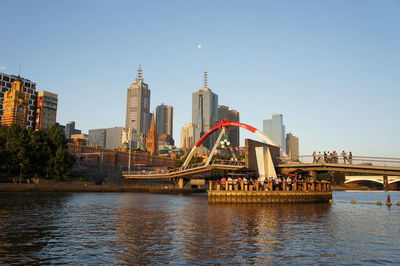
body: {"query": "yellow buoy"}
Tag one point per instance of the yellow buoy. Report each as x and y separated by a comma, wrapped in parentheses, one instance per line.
(398, 203)
(353, 202)
(378, 203)
(331, 201)
(388, 204)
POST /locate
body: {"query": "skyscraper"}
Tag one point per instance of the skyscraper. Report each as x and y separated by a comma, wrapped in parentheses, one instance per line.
(138, 116)
(28, 87)
(205, 111)
(275, 129)
(292, 146)
(46, 111)
(164, 120)
(232, 115)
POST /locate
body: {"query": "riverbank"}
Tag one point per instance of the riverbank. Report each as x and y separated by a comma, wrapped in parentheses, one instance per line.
(77, 186)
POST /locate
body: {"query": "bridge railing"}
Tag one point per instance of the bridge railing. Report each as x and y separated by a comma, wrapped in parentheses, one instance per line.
(181, 169)
(227, 162)
(355, 160)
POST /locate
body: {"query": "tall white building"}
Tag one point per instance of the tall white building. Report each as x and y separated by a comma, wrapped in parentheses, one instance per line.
(205, 111)
(138, 116)
(275, 129)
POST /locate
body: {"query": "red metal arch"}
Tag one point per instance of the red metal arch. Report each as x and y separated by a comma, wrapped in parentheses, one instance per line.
(221, 124)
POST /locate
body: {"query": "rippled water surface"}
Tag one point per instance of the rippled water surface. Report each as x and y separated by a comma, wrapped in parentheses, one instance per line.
(129, 228)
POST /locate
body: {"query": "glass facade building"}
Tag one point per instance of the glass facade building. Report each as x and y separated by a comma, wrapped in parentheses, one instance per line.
(275, 129)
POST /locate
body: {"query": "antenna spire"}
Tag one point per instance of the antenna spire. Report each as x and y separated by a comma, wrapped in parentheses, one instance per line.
(205, 79)
(140, 72)
(19, 71)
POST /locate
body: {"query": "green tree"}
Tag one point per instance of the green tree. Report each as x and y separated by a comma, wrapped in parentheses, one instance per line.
(41, 153)
(61, 161)
(16, 145)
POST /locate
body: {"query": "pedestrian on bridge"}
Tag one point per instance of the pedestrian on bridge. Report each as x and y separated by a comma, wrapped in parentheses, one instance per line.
(334, 157)
(350, 158)
(344, 155)
(314, 155)
(329, 157)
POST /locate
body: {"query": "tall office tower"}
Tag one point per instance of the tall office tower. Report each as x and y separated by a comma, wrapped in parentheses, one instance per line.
(275, 129)
(292, 146)
(152, 139)
(188, 136)
(232, 115)
(71, 130)
(28, 87)
(164, 119)
(138, 116)
(205, 112)
(16, 103)
(46, 111)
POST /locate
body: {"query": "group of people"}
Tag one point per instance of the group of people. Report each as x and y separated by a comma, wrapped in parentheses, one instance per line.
(276, 183)
(332, 157)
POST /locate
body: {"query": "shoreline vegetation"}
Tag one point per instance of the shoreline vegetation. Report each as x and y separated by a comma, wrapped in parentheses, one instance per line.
(26, 154)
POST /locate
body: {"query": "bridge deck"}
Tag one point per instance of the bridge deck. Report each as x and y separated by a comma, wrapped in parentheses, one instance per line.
(353, 168)
(192, 171)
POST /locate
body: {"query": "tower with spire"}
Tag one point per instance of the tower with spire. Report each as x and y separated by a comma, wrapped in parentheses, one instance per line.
(152, 138)
(15, 105)
(204, 111)
(138, 116)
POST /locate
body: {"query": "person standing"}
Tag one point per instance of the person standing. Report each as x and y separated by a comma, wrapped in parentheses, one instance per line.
(334, 157)
(350, 158)
(314, 155)
(344, 155)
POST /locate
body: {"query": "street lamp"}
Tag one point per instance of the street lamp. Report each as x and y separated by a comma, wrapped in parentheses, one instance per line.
(130, 146)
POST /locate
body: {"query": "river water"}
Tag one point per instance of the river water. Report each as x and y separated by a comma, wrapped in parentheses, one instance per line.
(136, 228)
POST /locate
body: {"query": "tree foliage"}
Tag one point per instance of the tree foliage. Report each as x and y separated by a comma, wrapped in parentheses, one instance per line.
(42, 153)
(180, 162)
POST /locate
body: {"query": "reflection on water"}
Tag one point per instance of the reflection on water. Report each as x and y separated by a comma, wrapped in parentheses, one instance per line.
(126, 228)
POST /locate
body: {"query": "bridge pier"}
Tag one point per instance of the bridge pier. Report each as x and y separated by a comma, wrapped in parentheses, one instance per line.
(181, 183)
(385, 183)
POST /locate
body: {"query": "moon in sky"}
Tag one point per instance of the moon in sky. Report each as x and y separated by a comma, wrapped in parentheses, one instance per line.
(199, 46)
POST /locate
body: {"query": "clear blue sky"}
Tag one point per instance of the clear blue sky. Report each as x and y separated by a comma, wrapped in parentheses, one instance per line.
(332, 68)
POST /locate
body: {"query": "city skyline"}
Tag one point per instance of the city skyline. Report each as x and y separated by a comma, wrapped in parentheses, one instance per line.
(331, 82)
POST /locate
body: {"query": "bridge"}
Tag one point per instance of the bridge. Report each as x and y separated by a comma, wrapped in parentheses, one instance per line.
(377, 179)
(266, 166)
(190, 171)
(358, 164)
